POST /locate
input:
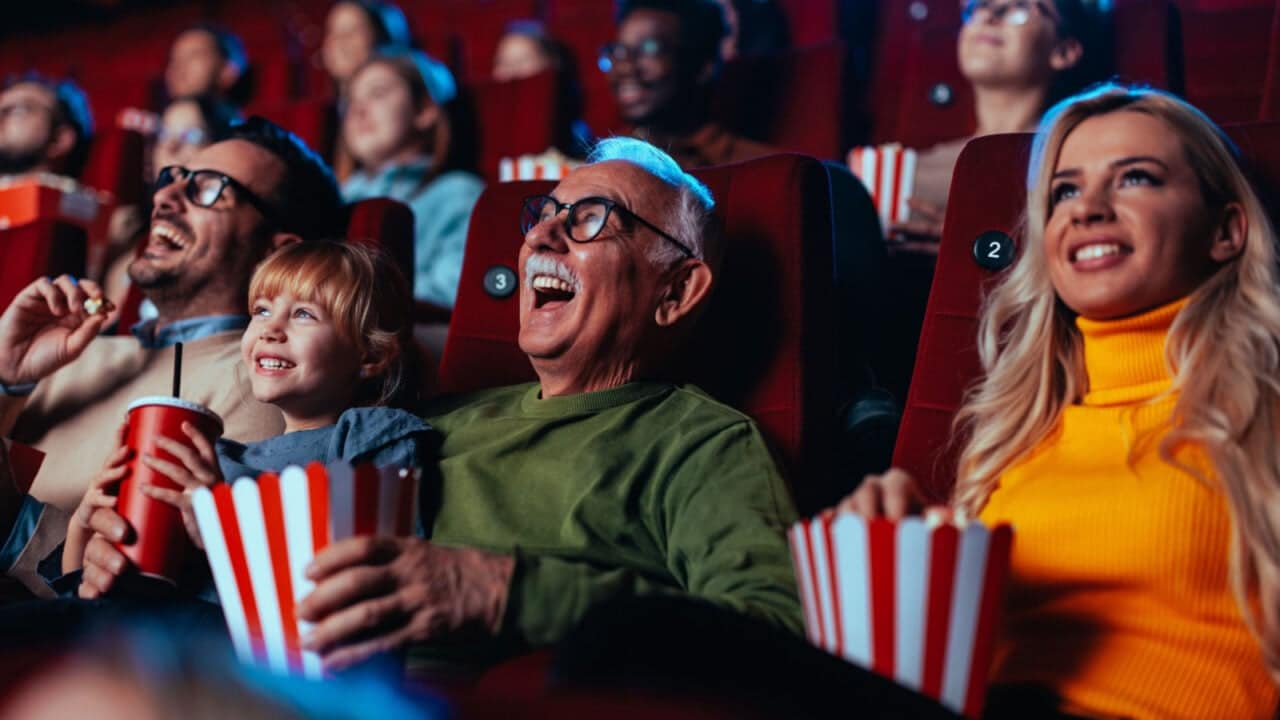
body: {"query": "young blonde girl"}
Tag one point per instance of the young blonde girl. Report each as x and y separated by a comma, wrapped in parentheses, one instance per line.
(330, 344)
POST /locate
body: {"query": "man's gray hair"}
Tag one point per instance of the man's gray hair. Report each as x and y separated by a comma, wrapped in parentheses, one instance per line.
(691, 221)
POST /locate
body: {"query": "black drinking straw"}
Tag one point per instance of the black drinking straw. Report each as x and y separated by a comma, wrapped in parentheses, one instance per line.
(177, 370)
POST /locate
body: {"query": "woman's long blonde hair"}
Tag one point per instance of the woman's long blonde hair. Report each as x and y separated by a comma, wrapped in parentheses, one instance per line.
(1223, 351)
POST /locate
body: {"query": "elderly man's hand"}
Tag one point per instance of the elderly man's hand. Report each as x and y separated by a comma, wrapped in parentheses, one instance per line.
(47, 326)
(375, 595)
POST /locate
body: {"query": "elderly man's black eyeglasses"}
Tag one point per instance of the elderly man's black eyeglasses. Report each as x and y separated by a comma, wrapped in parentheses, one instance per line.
(204, 187)
(587, 217)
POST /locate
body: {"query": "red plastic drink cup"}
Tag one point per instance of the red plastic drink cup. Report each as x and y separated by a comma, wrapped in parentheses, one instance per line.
(160, 542)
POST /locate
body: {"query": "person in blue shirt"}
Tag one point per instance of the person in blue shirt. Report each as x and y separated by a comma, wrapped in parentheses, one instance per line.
(330, 344)
(398, 129)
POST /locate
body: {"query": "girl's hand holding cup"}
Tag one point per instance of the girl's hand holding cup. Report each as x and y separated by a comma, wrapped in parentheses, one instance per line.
(101, 494)
(198, 468)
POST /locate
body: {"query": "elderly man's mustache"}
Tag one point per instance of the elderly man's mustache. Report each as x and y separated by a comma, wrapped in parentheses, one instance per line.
(539, 264)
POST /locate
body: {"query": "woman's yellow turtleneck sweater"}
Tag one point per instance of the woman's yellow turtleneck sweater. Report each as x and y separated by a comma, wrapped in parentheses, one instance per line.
(1119, 599)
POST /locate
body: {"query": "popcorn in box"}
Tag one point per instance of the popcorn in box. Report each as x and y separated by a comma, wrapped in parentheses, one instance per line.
(914, 601)
(260, 535)
(889, 173)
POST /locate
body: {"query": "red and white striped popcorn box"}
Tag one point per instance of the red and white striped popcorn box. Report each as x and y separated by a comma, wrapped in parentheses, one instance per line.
(916, 602)
(534, 167)
(259, 535)
(889, 174)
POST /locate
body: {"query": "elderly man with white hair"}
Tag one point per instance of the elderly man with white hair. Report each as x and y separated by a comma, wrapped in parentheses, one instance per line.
(601, 480)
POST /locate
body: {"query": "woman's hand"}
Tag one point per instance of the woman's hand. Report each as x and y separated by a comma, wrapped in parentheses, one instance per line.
(198, 468)
(101, 494)
(921, 233)
(893, 495)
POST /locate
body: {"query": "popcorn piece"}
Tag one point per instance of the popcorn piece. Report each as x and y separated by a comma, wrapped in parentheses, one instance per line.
(97, 306)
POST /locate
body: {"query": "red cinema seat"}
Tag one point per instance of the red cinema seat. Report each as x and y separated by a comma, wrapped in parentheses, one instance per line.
(1271, 90)
(515, 118)
(811, 22)
(387, 225)
(776, 98)
(1147, 49)
(1225, 52)
(917, 95)
(315, 120)
(115, 163)
(47, 227)
(765, 343)
(583, 27)
(988, 193)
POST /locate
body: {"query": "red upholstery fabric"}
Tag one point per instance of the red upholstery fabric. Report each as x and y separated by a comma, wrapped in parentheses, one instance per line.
(774, 97)
(1225, 54)
(914, 50)
(315, 120)
(116, 162)
(584, 26)
(810, 22)
(515, 118)
(43, 247)
(988, 193)
(1149, 51)
(1271, 90)
(764, 344)
(385, 224)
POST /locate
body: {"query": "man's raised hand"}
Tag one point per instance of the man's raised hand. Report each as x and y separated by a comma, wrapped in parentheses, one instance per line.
(47, 326)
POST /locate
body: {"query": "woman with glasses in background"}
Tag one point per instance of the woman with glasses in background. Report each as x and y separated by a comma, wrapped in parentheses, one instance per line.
(1020, 56)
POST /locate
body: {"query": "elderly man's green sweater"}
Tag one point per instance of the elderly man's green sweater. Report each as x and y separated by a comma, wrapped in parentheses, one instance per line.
(643, 488)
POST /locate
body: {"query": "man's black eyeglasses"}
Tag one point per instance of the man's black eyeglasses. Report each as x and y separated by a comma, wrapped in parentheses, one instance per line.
(204, 187)
(615, 52)
(587, 217)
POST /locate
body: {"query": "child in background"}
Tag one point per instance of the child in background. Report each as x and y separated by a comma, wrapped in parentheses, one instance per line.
(330, 344)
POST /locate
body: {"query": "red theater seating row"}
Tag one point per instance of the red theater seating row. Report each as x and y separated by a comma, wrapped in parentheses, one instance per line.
(1219, 53)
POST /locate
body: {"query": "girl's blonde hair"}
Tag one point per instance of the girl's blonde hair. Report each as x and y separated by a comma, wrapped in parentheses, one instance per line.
(369, 301)
(1223, 351)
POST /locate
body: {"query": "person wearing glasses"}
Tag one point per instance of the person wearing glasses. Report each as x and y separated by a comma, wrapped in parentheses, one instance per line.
(186, 126)
(45, 127)
(63, 387)
(1020, 56)
(604, 478)
(399, 130)
(661, 69)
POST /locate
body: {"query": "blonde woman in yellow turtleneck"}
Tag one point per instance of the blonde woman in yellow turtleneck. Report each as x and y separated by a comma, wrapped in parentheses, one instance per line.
(1127, 425)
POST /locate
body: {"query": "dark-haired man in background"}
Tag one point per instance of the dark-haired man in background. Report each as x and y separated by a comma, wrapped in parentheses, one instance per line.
(45, 127)
(213, 222)
(661, 70)
(207, 60)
